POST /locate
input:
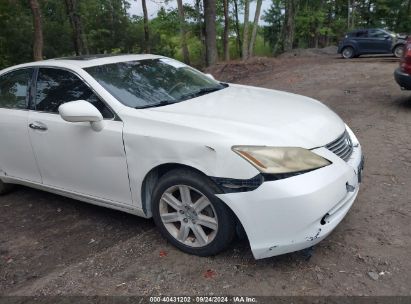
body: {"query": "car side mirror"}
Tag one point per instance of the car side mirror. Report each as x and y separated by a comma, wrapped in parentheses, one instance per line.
(82, 111)
(210, 76)
(387, 37)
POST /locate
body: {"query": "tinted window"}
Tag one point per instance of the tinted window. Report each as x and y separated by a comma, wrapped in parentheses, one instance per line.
(55, 87)
(13, 89)
(362, 34)
(377, 34)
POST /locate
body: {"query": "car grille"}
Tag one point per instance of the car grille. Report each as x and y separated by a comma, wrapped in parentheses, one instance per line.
(342, 146)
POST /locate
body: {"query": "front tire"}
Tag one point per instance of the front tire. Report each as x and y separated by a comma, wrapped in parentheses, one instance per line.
(190, 216)
(398, 51)
(348, 52)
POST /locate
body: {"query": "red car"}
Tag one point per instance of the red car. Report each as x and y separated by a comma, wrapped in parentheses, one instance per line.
(403, 73)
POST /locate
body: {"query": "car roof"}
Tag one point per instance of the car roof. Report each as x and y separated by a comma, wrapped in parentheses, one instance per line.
(84, 61)
(366, 29)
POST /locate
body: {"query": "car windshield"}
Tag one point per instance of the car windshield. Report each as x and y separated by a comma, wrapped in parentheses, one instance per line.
(153, 82)
(392, 34)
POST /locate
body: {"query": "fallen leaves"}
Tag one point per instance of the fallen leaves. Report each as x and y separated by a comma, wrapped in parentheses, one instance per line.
(209, 274)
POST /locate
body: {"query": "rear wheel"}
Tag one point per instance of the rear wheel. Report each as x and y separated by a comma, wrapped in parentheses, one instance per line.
(398, 51)
(347, 52)
(5, 188)
(190, 216)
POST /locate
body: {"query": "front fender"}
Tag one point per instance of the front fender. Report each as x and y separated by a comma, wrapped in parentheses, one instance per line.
(150, 144)
(397, 44)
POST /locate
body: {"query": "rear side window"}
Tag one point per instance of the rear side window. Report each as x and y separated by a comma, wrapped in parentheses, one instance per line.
(14, 89)
(361, 34)
(55, 87)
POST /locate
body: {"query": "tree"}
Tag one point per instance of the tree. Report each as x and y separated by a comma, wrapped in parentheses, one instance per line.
(273, 31)
(56, 28)
(186, 55)
(226, 31)
(199, 21)
(245, 30)
(255, 27)
(237, 29)
(210, 31)
(289, 24)
(38, 30)
(79, 40)
(146, 31)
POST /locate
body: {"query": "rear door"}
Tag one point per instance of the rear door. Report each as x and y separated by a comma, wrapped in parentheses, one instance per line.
(72, 156)
(361, 37)
(16, 154)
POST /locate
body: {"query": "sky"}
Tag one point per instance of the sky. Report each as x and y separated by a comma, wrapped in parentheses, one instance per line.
(154, 5)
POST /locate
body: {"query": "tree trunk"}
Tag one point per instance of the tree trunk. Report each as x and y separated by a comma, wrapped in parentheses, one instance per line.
(80, 45)
(289, 25)
(237, 29)
(38, 31)
(255, 28)
(200, 29)
(146, 32)
(226, 31)
(210, 30)
(353, 14)
(245, 31)
(184, 48)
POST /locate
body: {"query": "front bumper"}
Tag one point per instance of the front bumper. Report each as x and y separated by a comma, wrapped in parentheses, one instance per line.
(403, 79)
(298, 212)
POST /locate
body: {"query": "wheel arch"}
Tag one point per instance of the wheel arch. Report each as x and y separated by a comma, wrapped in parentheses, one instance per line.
(398, 44)
(150, 181)
(151, 178)
(353, 46)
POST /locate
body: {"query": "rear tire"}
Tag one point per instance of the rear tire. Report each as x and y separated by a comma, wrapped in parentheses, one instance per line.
(347, 52)
(190, 216)
(5, 188)
(398, 51)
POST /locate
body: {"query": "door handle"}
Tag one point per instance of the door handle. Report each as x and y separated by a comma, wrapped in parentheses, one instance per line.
(38, 126)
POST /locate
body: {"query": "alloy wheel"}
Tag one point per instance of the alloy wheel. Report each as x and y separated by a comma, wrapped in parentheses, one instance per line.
(188, 215)
(399, 50)
(348, 53)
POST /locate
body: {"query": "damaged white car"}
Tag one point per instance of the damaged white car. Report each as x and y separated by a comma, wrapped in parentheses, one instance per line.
(156, 138)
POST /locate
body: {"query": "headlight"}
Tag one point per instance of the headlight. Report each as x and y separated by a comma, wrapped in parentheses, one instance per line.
(281, 160)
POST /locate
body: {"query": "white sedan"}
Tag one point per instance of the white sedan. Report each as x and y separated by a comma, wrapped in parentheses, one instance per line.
(153, 137)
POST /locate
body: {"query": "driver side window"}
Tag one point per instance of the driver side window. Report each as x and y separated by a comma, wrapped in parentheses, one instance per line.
(377, 34)
(55, 87)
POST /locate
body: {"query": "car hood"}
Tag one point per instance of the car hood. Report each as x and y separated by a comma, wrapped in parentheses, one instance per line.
(246, 115)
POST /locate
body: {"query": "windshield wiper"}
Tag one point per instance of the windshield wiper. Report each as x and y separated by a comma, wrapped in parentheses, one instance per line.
(194, 94)
(158, 104)
(200, 92)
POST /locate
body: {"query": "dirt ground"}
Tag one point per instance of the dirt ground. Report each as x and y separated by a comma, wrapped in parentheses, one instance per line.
(53, 245)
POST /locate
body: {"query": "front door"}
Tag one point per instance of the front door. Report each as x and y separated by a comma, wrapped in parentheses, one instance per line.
(379, 41)
(16, 154)
(72, 156)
